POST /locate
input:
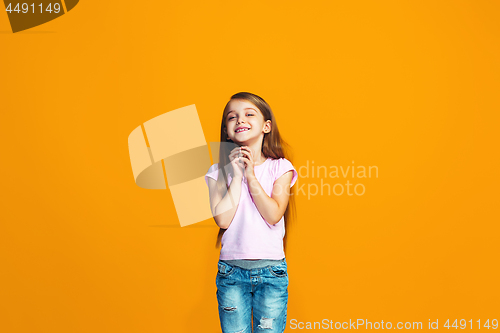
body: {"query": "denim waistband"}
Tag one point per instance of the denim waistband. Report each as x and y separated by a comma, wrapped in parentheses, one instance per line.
(253, 264)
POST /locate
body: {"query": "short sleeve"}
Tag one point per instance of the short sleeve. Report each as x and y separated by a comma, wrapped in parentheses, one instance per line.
(213, 172)
(283, 166)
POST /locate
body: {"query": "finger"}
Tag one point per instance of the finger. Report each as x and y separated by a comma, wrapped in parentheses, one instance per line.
(247, 155)
(234, 153)
(245, 160)
(248, 150)
(236, 156)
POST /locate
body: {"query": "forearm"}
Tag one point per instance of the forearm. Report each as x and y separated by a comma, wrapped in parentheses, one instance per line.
(226, 209)
(266, 205)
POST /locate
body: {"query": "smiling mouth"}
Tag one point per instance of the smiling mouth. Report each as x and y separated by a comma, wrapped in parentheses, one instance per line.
(242, 130)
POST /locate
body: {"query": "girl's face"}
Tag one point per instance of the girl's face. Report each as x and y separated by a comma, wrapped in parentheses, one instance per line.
(245, 123)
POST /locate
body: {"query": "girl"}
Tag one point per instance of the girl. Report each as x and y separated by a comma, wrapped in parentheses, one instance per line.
(249, 198)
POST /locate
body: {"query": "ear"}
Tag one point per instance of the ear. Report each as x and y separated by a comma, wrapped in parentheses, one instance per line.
(267, 126)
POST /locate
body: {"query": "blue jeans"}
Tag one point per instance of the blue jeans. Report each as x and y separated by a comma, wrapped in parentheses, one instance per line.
(263, 290)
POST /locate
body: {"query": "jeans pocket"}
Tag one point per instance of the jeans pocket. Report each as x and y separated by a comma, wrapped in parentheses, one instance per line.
(278, 270)
(224, 269)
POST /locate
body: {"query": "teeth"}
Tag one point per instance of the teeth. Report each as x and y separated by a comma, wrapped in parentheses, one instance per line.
(241, 130)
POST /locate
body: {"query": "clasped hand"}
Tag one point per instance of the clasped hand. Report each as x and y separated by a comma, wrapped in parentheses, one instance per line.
(242, 161)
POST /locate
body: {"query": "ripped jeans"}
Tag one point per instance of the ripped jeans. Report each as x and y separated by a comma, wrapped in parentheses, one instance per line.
(263, 290)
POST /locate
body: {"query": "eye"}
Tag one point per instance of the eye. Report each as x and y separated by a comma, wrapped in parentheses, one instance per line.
(249, 114)
(230, 118)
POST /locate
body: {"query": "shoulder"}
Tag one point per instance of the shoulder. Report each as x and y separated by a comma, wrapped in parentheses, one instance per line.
(281, 163)
(280, 166)
(213, 172)
(214, 167)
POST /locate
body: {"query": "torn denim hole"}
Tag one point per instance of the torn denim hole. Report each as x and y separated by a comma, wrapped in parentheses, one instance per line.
(266, 323)
(229, 308)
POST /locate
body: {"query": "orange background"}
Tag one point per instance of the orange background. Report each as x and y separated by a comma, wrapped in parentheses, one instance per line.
(410, 87)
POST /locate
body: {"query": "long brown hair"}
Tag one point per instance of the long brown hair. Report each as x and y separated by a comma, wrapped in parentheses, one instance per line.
(273, 146)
